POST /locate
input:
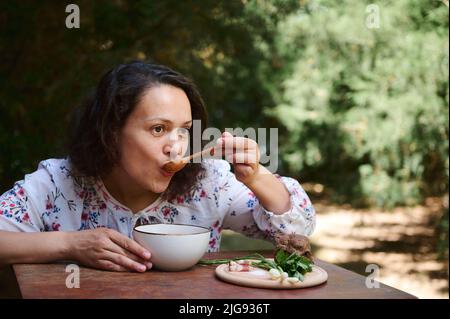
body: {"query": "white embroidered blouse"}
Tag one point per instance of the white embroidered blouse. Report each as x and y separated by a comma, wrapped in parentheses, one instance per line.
(51, 199)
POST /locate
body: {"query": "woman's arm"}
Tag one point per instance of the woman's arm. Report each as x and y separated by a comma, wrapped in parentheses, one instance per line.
(243, 211)
(23, 240)
(37, 247)
(271, 193)
(98, 248)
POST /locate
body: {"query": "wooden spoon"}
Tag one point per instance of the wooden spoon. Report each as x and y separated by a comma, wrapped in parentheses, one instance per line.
(176, 165)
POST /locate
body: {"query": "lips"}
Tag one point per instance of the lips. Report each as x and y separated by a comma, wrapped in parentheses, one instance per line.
(166, 174)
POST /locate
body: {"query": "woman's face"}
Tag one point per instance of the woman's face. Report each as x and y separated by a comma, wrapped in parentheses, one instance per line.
(156, 130)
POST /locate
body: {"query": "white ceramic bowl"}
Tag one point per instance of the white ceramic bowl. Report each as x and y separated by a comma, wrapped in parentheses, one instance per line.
(174, 247)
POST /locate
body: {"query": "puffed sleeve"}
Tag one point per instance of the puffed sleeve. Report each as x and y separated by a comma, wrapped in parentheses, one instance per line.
(45, 200)
(17, 212)
(247, 216)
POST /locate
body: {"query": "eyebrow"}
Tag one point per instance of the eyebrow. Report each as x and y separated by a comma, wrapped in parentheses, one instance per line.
(163, 120)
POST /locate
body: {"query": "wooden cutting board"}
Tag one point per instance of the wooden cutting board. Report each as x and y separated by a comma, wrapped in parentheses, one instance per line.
(260, 278)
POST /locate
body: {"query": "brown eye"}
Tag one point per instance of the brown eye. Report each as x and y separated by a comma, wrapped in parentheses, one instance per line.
(158, 130)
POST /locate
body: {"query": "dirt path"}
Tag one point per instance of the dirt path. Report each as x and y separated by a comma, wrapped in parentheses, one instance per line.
(401, 242)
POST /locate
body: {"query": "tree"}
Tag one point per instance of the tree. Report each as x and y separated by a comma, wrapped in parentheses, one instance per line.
(46, 68)
(366, 109)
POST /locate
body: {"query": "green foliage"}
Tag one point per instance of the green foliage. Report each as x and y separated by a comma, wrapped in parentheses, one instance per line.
(235, 241)
(362, 110)
(296, 266)
(366, 109)
(46, 68)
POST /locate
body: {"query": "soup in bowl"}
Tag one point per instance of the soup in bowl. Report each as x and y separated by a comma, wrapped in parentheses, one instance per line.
(174, 247)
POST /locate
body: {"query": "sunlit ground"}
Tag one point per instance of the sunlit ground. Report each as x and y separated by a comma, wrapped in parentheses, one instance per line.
(401, 242)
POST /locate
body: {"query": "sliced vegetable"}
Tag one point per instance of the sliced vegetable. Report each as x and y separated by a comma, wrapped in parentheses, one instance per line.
(288, 266)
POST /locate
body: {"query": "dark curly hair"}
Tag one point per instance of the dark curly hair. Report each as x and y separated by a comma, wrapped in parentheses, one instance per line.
(93, 147)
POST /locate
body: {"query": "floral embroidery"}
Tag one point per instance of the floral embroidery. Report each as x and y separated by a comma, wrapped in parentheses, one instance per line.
(90, 220)
(152, 209)
(198, 194)
(215, 236)
(61, 201)
(219, 190)
(251, 231)
(212, 243)
(51, 208)
(26, 218)
(169, 213)
(251, 202)
(80, 194)
(15, 205)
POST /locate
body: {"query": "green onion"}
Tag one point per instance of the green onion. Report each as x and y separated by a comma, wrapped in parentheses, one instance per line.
(293, 264)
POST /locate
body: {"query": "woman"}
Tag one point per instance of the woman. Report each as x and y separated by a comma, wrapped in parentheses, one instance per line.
(84, 207)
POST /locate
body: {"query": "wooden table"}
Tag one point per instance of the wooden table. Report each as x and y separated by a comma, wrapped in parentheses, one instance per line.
(49, 281)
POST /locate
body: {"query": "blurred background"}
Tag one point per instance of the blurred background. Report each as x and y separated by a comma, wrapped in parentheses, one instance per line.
(358, 89)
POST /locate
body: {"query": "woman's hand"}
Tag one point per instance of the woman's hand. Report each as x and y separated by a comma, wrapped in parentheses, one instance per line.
(107, 249)
(243, 153)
